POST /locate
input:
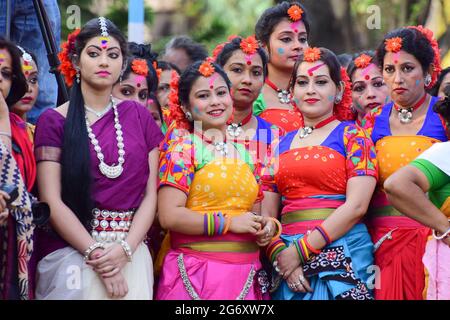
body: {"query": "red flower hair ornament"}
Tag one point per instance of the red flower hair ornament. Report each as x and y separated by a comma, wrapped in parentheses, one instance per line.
(140, 67)
(295, 13)
(65, 57)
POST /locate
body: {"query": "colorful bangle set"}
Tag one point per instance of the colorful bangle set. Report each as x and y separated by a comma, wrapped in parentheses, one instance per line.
(274, 248)
(216, 223)
(304, 248)
(324, 234)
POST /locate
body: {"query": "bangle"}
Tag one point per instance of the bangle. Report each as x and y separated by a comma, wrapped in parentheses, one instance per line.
(91, 248)
(6, 134)
(205, 224)
(442, 236)
(274, 249)
(227, 225)
(310, 248)
(278, 225)
(127, 249)
(221, 223)
(300, 252)
(324, 234)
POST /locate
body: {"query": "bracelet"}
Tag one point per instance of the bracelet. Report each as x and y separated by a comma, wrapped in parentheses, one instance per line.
(6, 134)
(274, 249)
(91, 248)
(278, 225)
(310, 247)
(443, 236)
(127, 249)
(324, 234)
(227, 224)
(205, 224)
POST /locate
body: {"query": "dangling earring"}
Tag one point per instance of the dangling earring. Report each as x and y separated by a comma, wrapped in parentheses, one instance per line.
(78, 76)
(338, 98)
(353, 109)
(427, 80)
(189, 116)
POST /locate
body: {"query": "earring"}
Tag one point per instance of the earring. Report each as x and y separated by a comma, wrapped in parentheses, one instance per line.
(78, 76)
(189, 116)
(338, 98)
(353, 109)
(427, 80)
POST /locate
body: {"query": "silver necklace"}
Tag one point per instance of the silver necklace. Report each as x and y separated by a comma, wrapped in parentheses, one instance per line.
(305, 131)
(222, 147)
(234, 130)
(99, 114)
(110, 171)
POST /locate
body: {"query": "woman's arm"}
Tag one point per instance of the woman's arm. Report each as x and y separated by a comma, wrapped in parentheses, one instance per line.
(5, 125)
(63, 220)
(144, 216)
(406, 190)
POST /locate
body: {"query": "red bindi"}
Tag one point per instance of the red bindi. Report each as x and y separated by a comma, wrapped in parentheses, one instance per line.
(211, 87)
(138, 85)
(310, 73)
(367, 77)
(249, 62)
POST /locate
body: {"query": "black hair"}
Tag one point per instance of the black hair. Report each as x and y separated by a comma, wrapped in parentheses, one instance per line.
(235, 44)
(142, 51)
(194, 50)
(191, 74)
(435, 90)
(345, 59)
(443, 106)
(164, 65)
(75, 159)
(414, 42)
(326, 56)
(272, 16)
(19, 84)
(352, 67)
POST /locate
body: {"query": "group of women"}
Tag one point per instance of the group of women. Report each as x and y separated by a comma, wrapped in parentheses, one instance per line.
(271, 170)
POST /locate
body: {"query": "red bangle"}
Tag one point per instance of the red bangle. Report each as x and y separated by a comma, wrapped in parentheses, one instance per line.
(310, 247)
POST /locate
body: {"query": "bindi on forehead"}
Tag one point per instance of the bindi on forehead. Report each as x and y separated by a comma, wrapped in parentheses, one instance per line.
(312, 69)
(140, 80)
(212, 80)
(365, 72)
(2, 57)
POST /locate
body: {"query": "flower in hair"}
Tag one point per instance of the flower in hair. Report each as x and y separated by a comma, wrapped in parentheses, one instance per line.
(394, 44)
(311, 54)
(65, 57)
(158, 70)
(295, 13)
(363, 61)
(206, 69)
(139, 66)
(249, 45)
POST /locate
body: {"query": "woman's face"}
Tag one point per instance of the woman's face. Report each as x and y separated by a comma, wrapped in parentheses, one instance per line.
(368, 89)
(404, 77)
(210, 102)
(314, 90)
(152, 106)
(164, 88)
(134, 88)
(6, 72)
(286, 42)
(247, 79)
(27, 102)
(445, 82)
(100, 66)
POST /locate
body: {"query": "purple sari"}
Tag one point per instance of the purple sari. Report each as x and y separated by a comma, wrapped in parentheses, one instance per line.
(141, 135)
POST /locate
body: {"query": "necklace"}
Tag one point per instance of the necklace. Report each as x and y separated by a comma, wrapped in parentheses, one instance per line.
(110, 171)
(234, 129)
(283, 95)
(405, 115)
(99, 114)
(306, 131)
(221, 146)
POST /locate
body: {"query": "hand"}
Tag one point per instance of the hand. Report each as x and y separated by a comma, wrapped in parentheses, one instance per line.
(246, 223)
(110, 262)
(116, 286)
(264, 236)
(287, 261)
(297, 281)
(3, 197)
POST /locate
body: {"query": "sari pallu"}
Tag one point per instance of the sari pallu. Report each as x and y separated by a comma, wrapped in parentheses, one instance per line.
(221, 267)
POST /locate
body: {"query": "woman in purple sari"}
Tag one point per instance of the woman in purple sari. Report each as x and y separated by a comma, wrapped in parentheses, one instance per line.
(97, 170)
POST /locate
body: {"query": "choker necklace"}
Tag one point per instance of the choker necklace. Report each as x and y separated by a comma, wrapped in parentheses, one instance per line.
(306, 131)
(221, 146)
(99, 114)
(108, 171)
(283, 95)
(234, 129)
(405, 115)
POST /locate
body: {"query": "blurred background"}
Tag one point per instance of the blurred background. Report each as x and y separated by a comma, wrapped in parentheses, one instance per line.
(340, 25)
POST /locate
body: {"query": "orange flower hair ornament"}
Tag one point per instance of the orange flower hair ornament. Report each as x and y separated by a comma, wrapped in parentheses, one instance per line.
(158, 70)
(393, 44)
(249, 46)
(311, 54)
(342, 110)
(218, 49)
(140, 67)
(206, 69)
(295, 13)
(363, 61)
(65, 57)
(437, 59)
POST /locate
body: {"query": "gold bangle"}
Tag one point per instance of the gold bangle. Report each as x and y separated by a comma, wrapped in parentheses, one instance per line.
(278, 224)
